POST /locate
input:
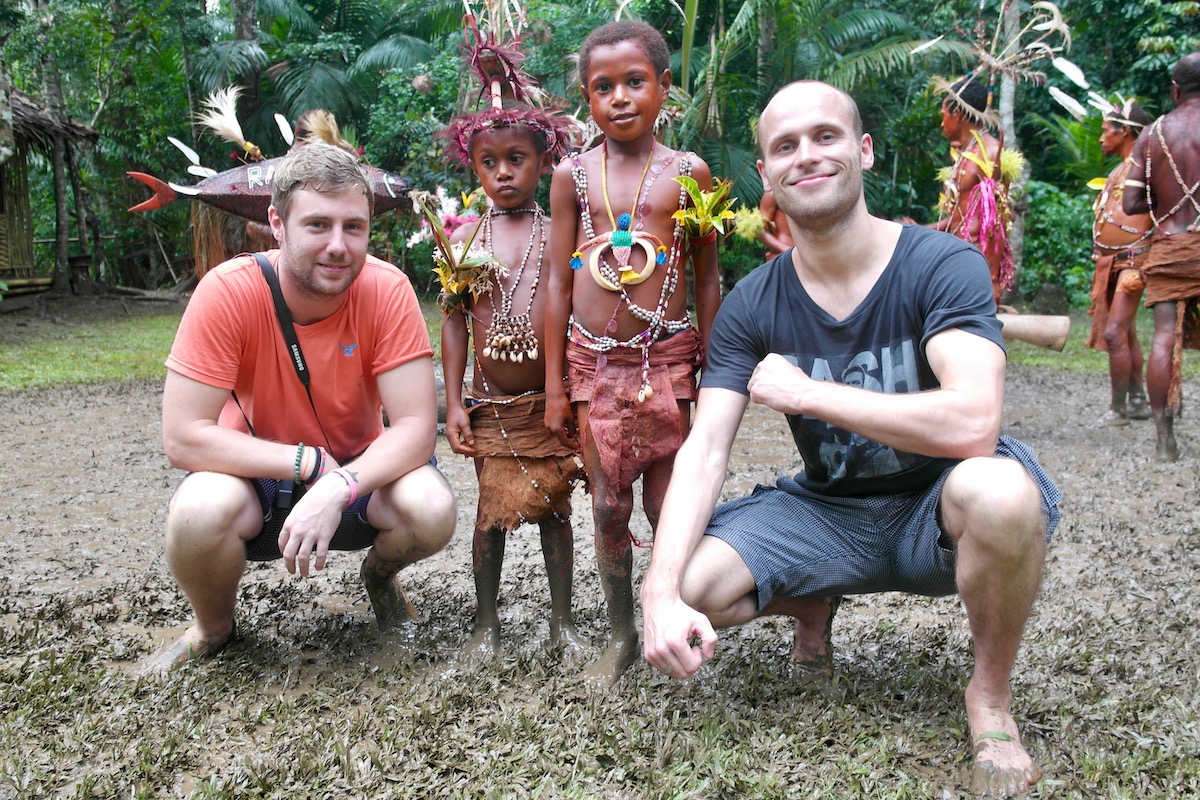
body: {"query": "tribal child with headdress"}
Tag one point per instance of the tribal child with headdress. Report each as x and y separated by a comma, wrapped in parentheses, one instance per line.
(493, 307)
(1120, 244)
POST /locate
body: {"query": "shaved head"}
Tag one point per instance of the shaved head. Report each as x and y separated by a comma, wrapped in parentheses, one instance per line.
(790, 94)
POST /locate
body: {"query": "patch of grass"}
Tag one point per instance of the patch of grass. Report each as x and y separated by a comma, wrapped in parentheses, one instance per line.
(131, 348)
(111, 350)
(1078, 357)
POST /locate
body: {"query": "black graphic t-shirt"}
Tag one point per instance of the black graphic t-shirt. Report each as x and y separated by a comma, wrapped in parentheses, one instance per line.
(934, 282)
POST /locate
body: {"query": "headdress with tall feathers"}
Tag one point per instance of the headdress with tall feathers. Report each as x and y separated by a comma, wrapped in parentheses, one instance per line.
(1014, 57)
(220, 116)
(492, 53)
(1119, 111)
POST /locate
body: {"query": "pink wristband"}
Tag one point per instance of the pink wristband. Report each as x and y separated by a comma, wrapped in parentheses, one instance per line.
(351, 483)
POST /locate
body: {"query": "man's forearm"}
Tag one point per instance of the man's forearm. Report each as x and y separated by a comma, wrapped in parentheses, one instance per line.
(691, 497)
(405, 445)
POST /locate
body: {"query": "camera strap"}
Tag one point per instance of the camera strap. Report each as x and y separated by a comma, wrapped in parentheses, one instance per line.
(288, 328)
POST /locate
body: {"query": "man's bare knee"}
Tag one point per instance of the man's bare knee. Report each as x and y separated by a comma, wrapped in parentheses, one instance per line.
(994, 501)
(419, 504)
(716, 579)
(209, 505)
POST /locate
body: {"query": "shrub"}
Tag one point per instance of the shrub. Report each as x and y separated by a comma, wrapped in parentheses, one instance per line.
(1058, 242)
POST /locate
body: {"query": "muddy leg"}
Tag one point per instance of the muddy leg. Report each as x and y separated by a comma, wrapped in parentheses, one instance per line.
(415, 518)
(388, 600)
(487, 557)
(611, 510)
(1159, 372)
(1124, 357)
(210, 517)
(558, 550)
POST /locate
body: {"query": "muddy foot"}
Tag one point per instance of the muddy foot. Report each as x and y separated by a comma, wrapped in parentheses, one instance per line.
(192, 646)
(565, 634)
(811, 661)
(391, 606)
(1166, 450)
(616, 658)
(1001, 767)
(484, 645)
(1114, 419)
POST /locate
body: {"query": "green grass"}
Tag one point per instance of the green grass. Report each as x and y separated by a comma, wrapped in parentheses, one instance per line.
(132, 348)
(112, 350)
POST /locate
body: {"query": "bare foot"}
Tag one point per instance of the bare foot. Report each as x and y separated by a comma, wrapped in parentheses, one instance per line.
(616, 658)
(484, 644)
(564, 633)
(1114, 418)
(390, 604)
(1001, 767)
(812, 650)
(1166, 450)
(192, 646)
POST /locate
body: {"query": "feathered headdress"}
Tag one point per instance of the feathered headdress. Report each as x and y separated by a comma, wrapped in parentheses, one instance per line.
(1016, 58)
(1119, 111)
(493, 54)
(220, 115)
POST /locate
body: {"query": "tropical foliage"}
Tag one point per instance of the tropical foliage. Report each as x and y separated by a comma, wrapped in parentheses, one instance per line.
(137, 71)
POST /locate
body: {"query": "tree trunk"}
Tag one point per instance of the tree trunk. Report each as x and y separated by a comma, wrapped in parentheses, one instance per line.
(8, 144)
(79, 195)
(245, 29)
(1020, 208)
(766, 42)
(52, 88)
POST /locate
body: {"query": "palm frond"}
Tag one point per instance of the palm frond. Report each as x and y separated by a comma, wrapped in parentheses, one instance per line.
(294, 16)
(862, 26)
(220, 62)
(399, 51)
(313, 84)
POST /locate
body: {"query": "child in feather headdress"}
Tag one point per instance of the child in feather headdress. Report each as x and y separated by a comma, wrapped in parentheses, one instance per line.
(525, 475)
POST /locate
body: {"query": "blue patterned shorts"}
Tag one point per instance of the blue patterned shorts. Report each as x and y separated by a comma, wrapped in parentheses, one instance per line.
(798, 543)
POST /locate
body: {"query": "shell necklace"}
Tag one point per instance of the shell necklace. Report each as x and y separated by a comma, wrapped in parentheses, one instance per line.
(510, 337)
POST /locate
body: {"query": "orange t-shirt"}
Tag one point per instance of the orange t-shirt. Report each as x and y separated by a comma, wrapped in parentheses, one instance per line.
(230, 338)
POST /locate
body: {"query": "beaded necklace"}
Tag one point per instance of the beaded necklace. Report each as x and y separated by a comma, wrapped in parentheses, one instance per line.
(1113, 191)
(656, 322)
(627, 229)
(510, 337)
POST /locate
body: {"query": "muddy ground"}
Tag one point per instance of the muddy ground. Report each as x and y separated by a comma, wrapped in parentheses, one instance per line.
(1112, 644)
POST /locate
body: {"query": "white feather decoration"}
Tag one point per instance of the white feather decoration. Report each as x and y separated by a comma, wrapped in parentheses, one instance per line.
(1066, 101)
(191, 154)
(1071, 71)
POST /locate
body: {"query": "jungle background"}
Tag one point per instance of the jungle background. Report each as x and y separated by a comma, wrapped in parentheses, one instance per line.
(312, 702)
(138, 71)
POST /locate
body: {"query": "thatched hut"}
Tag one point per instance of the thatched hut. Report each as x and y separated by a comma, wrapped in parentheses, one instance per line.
(34, 130)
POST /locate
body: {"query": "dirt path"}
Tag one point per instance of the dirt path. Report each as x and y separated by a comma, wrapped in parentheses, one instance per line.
(85, 487)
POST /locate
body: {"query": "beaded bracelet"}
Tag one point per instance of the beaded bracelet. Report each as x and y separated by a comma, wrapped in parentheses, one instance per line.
(299, 459)
(351, 483)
